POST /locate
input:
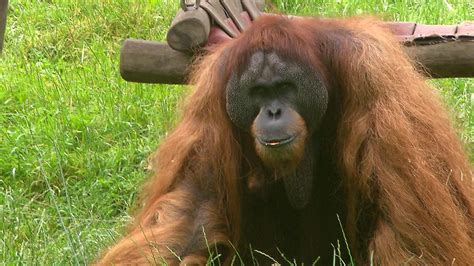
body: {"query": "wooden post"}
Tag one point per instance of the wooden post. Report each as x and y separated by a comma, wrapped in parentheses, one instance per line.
(3, 20)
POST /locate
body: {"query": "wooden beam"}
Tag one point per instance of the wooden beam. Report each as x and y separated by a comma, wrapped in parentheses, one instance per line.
(155, 62)
(446, 59)
(152, 62)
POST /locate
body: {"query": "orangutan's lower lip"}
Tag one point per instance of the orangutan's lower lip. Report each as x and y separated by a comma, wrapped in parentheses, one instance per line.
(276, 142)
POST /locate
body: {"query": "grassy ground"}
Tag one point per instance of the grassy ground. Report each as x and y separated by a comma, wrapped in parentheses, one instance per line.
(74, 137)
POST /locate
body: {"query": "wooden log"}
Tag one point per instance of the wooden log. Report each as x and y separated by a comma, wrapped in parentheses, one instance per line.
(189, 30)
(3, 21)
(445, 60)
(154, 62)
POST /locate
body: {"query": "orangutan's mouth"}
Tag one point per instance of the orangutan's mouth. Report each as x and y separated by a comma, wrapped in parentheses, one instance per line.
(275, 142)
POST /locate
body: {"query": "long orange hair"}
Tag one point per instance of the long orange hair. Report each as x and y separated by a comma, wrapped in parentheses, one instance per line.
(396, 149)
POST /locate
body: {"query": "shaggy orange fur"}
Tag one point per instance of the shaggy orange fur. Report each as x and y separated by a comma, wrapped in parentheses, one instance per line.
(406, 185)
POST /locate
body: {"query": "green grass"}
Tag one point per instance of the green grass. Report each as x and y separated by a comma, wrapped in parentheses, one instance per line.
(75, 137)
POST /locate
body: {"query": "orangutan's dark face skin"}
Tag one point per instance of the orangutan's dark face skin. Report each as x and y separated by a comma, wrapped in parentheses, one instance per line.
(281, 104)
